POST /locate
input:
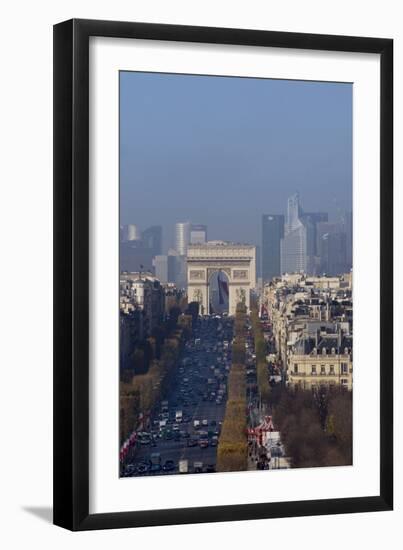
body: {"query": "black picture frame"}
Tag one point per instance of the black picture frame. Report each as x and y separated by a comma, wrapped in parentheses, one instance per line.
(71, 274)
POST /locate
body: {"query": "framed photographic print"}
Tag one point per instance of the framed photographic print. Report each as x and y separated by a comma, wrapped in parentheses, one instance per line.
(223, 242)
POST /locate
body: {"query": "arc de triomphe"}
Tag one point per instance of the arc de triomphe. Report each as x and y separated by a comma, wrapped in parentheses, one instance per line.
(237, 261)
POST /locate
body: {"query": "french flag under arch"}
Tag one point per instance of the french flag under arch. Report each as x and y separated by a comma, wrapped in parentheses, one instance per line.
(222, 288)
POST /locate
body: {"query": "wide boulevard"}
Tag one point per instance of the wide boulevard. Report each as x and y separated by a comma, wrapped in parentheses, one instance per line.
(183, 433)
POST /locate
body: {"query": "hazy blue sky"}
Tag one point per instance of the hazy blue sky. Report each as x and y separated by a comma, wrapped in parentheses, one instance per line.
(223, 151)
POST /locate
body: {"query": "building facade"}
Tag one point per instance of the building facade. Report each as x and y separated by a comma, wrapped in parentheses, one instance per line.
(296, 244)
(130, 232)
(332, 249)
(169, 268)
(312, 325)
(325, 360)
(182, 237)
(294, 250)
(272, 233)
(134, 256)
(142, 292)
(299, 252)
(347, 224)
(152, 239)
(198, 234)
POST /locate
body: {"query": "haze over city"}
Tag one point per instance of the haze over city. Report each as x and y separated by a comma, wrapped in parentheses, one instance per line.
(222, 151)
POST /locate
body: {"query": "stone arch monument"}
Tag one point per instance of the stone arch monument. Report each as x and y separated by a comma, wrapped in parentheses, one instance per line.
(237, 261)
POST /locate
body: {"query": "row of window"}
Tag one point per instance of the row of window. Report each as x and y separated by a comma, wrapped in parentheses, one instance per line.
(322, 371)
(332, 351)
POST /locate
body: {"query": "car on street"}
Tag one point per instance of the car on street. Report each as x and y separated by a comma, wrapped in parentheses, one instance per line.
(168, 466)
(130, 470)
(142, 468)
(198, 467)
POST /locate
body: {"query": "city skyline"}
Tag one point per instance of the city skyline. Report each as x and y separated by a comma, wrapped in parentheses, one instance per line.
(215, 144)
(297, 241)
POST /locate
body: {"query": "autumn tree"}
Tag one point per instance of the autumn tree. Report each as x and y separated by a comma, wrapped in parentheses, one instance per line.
(340, 422)
(232, 451)
(128, 410)
(307, 444)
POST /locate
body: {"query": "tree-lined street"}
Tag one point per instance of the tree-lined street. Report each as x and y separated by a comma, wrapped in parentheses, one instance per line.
(186, 424)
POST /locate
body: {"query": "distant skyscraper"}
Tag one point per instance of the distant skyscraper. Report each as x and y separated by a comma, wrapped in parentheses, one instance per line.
(131, 233)
(166, 267)
(294, 212)
(332, 249)
(133, 255)
(294, 250)
(152, 238)
(182, 237)
(298, 245)
(161, 268)
(258, 267)
(198, 234)
(272, 233)
(181, 272)
(315, 218)
(347, 222)
(334, 252)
